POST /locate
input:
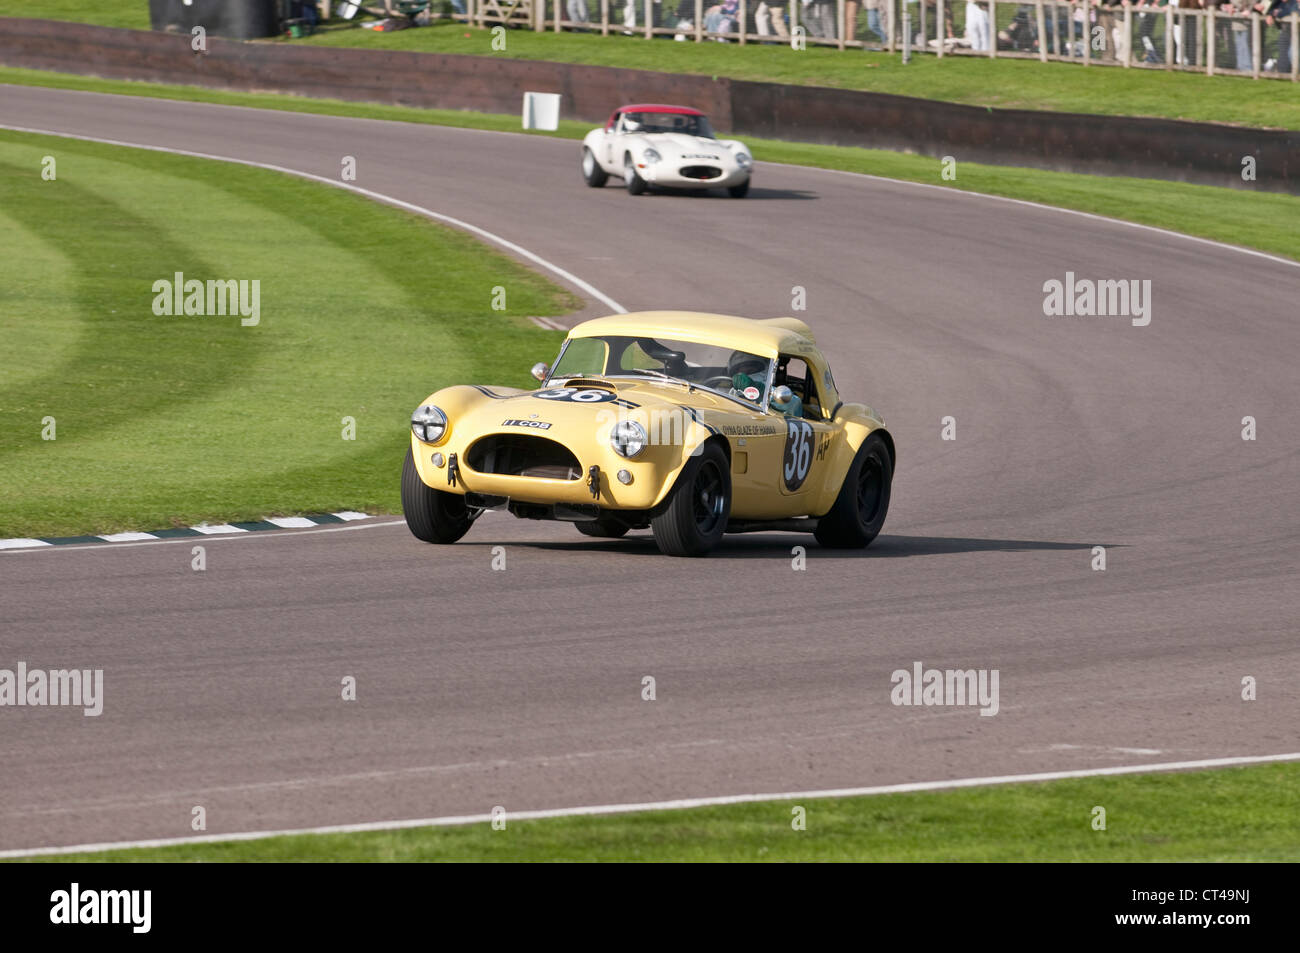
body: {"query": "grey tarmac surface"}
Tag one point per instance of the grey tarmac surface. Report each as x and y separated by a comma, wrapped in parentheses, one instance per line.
(523, 688)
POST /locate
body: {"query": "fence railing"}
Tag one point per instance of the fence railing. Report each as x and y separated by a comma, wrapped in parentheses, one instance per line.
(1141, 35)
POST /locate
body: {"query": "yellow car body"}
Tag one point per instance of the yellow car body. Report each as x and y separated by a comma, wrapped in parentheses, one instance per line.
(552, 452)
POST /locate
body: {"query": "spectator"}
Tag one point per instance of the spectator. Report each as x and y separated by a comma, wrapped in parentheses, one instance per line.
(1275, 15)
(770, 18)
(577, 10)
(819, 18)
(850, 25)
(876, 15)
(1148, 19)
(977, 26)
(722, 18)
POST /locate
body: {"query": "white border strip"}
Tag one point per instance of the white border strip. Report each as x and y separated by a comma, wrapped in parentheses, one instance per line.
(483, 233)
(674, 805)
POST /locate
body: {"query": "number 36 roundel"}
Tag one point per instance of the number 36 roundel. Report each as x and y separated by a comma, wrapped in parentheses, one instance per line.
(798, 453)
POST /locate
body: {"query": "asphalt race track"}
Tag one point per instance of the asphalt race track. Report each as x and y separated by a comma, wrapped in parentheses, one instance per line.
(522, 688)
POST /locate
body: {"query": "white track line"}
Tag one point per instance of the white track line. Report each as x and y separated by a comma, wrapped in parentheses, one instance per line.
(675, 805)
(368, 193)
(237, 534)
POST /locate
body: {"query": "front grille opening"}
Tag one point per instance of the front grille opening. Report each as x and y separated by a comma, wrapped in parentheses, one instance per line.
(700, 172)
(511, 454)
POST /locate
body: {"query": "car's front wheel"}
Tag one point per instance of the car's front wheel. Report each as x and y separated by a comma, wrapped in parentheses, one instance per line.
(434, 516)
(592, 173)
(697, 516)
(739, 191)
(631, 178)
(860, 509)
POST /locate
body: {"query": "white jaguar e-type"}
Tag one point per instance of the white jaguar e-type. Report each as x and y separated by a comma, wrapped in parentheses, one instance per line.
(669, 146)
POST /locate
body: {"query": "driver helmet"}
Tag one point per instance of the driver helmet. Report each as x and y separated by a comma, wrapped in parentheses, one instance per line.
(748, 374)
(630, 124)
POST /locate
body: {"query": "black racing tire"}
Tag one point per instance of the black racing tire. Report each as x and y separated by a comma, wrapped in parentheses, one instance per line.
(592, 173)
(602, 528)
(738, 191)
(631, 178)
(434, 516)
(860, 509)
(696, 517)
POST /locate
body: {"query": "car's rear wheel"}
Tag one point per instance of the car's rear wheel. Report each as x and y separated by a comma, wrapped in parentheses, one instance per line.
(592, 173)
(860, 509)
(602, 528)
(738, 191)
(697, 516)
(434, 516)
(631, 178)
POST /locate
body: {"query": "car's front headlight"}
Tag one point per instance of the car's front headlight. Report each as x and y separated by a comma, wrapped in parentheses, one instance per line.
(744, 161)
(628, 438)
(428, 423)
(651, 156)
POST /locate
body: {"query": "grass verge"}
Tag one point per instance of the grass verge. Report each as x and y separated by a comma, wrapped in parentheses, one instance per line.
(170, 420)
(1236, 814)
(1263, 220)
(1001, 83)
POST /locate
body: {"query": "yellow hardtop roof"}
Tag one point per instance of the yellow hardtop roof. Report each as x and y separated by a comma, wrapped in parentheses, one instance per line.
(765, 338)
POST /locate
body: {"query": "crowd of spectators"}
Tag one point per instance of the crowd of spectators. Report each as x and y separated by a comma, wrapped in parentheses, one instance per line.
(1066, 30)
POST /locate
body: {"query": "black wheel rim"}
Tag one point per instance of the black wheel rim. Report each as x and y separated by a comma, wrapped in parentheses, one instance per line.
(709, 498)
(871, 490)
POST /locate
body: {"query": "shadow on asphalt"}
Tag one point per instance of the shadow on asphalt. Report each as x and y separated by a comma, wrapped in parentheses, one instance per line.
(766, 545)
(754, 194)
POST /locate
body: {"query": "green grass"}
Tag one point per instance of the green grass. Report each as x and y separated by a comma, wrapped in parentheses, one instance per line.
(1263, 220)
(171, 420)
(1001, 83)
(129, 14)
(1238, 814)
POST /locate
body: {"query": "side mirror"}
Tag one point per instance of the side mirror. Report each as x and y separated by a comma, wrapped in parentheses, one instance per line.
(540, 371)
(782, 394)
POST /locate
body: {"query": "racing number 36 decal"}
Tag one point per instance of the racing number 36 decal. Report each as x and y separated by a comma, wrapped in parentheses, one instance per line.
(798, 453)
(577, 396)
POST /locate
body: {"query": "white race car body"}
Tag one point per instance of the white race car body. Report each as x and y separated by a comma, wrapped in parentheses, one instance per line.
(669, 146)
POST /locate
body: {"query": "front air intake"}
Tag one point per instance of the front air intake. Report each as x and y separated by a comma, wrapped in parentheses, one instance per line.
(509, 454)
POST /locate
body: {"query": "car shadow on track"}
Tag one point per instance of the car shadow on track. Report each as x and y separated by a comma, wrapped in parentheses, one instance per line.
(754, 193)
(766, 545)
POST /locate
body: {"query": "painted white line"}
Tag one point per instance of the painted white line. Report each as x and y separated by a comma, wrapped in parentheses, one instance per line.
(23, 543)
(189, 540)
(674, 805)
(347, 515)
(126, 537)
(550, 324)
(207, 530)
(291, 522)
(368, 193)
(948, 190)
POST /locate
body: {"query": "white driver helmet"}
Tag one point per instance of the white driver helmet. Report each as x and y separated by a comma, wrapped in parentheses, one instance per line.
(631, 125)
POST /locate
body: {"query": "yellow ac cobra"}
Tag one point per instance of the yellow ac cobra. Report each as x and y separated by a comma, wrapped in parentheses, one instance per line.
(693, 425)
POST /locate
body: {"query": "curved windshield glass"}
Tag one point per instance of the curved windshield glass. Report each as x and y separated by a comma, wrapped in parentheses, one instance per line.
(736, 374)
(668, 122)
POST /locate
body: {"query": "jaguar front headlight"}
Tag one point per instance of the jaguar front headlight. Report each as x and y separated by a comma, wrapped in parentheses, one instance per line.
(628, 438)
(428, 423)
(744, 161)
(651, 156)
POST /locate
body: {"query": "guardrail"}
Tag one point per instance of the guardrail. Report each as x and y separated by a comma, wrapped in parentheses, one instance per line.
(1143, 35)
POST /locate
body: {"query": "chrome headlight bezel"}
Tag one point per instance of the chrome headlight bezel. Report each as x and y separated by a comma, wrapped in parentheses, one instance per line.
(429, 423)
(628, 438)
(744, 160)
(651, 155)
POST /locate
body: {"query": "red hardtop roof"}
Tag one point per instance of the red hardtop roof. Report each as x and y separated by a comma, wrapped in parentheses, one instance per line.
(658, 108)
